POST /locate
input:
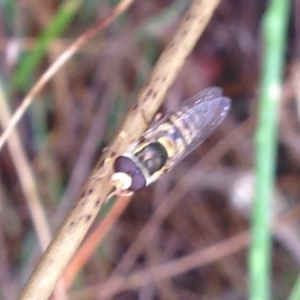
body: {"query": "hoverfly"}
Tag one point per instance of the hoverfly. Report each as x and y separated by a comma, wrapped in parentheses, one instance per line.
(168, 141)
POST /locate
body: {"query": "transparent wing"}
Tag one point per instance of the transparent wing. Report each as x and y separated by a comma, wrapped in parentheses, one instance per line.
(204, 95)
(210, 114)
(189, 124)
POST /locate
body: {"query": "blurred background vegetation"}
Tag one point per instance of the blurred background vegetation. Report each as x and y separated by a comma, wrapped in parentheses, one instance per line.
(208, 195)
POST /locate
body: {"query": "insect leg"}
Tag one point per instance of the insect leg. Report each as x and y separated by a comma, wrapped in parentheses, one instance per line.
(156, 119)
(116, 192)
(98, 177)
(110, 158)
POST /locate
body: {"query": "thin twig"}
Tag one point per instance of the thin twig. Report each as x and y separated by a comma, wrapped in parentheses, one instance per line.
(95, 192)
(26, 178)
(28, 184)
(170, 269)
(61, 60)
(92, 242)
(197, 259)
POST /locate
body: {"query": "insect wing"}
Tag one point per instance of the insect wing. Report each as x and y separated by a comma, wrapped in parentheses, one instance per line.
(189, 124)
(209, 113)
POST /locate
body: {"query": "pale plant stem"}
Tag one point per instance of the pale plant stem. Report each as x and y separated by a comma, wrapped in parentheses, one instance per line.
(96, 190)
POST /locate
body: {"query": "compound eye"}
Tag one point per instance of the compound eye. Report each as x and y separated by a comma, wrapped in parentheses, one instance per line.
(125, 165)
(138, 182)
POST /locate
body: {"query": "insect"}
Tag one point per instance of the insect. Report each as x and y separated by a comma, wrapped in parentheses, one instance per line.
(168, 141)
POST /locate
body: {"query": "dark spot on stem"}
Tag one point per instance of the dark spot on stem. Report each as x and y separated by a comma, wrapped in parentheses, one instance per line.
(88, 217)
(202, 20)
(184, 32)
(149, 93)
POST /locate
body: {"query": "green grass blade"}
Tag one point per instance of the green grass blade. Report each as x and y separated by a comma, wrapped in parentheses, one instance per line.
(274, 34)
(295, 294)
(30, 60)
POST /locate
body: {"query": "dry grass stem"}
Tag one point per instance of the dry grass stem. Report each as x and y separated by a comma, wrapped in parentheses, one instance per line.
(26, 177)
(93, 241)
(171, 269)
(216, 252)
(79, 220)
(28, 183)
